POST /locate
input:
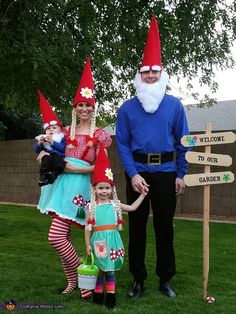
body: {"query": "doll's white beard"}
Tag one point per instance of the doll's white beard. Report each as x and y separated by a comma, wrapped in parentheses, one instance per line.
(57, 137)
(151, 95)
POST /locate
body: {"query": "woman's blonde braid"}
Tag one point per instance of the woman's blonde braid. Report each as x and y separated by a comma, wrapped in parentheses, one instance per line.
(73, 125)
(72, 129)
(93, 124)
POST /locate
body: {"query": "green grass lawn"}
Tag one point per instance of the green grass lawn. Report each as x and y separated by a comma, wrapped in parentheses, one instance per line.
(31, 272)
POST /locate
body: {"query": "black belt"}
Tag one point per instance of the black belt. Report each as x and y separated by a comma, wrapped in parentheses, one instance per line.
(153, 158)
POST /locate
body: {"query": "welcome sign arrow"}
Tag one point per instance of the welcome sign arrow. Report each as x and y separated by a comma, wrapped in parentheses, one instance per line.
(208, 139)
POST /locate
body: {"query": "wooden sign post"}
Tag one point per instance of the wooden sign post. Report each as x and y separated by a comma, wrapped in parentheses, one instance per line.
(207, 179)
(206, 215)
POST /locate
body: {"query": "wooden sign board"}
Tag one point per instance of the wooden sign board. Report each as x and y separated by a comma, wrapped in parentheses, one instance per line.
(209, 178)
(208, 159)
(208, 139)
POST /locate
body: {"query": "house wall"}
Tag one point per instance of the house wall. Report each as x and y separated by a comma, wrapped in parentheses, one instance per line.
(19, 179)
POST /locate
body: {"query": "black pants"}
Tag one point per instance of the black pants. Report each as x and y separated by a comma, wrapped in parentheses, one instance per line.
(162, 198)
(52, 163)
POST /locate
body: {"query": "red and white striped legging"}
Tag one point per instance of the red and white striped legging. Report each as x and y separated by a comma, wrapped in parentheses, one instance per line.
(60, 238)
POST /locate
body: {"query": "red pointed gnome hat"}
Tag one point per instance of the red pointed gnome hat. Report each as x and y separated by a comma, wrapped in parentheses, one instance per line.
(85, 91)
(102, 169)
(47, 114)
(152, 51)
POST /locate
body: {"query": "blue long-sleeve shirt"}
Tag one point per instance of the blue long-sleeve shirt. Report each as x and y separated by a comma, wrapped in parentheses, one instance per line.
(158, 132)
(56, 147)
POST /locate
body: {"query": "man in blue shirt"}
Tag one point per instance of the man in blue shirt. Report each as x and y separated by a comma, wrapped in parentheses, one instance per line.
(148, 132)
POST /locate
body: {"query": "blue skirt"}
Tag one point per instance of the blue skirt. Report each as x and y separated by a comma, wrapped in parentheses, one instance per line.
(68, 195)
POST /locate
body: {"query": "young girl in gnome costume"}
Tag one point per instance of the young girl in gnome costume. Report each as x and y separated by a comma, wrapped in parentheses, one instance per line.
(53, 142)
(104, 216)
(65, 199)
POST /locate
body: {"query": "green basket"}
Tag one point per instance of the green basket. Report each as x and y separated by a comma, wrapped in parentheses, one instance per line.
(87, 273)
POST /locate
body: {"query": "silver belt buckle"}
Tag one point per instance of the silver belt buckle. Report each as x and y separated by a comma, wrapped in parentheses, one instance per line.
(154, 159)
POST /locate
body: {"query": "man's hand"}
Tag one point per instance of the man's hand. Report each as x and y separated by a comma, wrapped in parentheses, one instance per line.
(179, 186)
(139, 184)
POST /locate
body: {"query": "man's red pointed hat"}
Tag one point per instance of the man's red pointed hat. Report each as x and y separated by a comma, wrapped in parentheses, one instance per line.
(152, 51)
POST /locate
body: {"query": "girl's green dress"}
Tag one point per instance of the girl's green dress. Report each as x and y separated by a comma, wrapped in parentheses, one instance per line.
(107, 245)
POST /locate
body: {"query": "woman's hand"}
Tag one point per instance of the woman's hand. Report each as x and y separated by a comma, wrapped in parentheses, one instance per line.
(71, 168)
(40, 156)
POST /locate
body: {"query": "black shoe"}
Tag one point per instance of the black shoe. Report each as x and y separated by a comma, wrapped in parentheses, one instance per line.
(165, 288)
(43, 180)
(98, 298)
(50, 176)
(110, 301)
(137, 290)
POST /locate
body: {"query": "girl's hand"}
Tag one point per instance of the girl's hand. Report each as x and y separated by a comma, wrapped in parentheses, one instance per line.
(88, 249)
(145, 191)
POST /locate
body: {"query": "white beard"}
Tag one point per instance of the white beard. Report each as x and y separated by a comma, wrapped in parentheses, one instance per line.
(151, 95)
(57, 137)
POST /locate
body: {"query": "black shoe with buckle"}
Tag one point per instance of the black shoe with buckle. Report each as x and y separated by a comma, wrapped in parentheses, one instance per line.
(136, 290)
(165, 288)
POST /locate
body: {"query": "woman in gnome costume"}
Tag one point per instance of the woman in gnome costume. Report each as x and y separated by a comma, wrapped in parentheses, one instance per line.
(66, 198)
(52, 142)
(149, 129)
(104, 217)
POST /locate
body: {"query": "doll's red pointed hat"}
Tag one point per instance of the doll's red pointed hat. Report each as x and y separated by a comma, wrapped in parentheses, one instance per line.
(102, 169)
(152, 51)
(85, 91)
(47, 114)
